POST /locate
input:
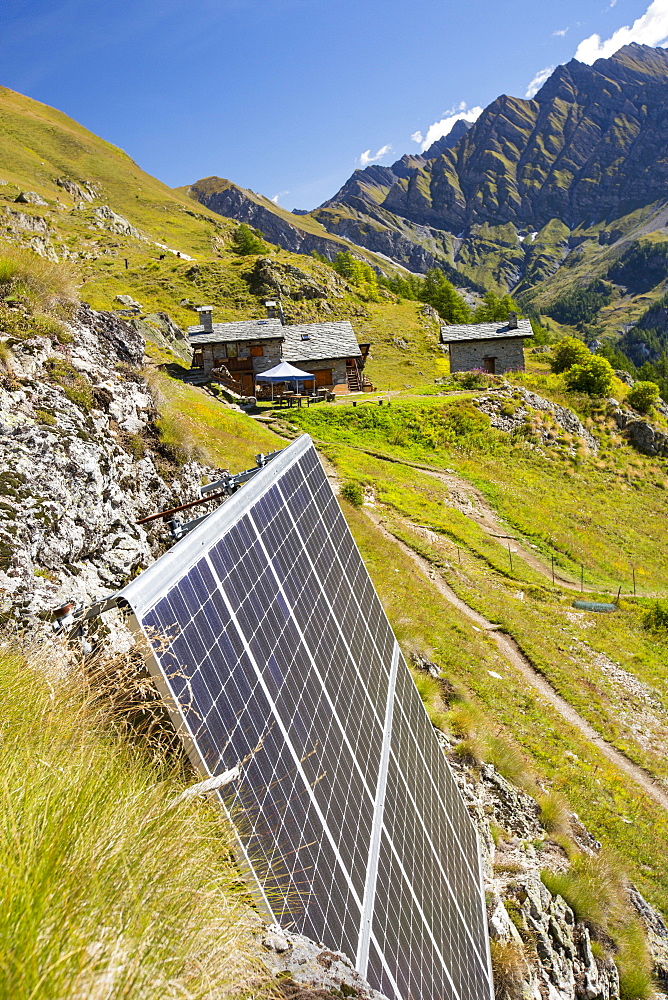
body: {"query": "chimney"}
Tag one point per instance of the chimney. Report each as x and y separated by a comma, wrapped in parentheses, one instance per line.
(272, 309)
(206, 318)
(512, 320)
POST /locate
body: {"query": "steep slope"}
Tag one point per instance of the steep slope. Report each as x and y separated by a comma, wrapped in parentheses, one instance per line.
(69, 195)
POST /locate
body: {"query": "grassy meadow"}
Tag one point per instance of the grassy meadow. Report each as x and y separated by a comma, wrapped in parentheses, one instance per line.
(605, 513)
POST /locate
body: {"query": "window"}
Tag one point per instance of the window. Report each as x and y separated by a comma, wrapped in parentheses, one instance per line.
(198, 358)
(231, 350)
(257, 351)
(306, 336)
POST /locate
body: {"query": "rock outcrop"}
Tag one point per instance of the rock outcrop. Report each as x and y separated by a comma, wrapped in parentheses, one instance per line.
(308, 971)
(553, 951)
(642, 434)
(510, 409)
(82, 461)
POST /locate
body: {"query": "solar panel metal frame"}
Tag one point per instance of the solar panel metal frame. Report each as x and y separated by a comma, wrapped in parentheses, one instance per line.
(402, 944)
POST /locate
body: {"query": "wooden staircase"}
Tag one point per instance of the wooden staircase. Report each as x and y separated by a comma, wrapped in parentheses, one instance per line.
(357, 380)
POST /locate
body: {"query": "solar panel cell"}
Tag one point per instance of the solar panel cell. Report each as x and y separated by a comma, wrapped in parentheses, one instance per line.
(268, 633)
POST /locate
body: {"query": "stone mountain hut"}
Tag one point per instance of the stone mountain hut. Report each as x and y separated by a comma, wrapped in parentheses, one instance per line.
(247, 348)
(490, 347)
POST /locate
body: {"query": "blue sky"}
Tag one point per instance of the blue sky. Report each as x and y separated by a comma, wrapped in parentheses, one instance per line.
(287, 97)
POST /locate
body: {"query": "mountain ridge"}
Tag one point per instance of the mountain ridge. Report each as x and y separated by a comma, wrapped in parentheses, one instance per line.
(536, 196)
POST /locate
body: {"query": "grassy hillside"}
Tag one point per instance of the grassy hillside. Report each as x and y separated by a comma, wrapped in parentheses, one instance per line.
(125, 232)
(630, 825)
(605, 512)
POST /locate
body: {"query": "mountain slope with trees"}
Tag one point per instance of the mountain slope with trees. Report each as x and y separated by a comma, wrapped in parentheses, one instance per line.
(541, 197)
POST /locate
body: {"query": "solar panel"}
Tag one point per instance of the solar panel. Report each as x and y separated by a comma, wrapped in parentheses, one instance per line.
(270, 643)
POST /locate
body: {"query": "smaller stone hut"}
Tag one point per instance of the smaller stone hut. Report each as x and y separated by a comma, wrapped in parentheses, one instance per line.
(491, 347)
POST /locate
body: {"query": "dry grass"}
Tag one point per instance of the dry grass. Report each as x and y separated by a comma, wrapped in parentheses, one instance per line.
(110, 887)
(43, 285)
(554, 813)
(508, 967)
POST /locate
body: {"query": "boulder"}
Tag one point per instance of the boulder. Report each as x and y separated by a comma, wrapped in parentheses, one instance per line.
(30, 198)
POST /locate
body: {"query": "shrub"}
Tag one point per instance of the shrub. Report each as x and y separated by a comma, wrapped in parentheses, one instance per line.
(642, 396)
(353, 493)
(246, 241)
(656, 619)
(567, 353)
(593, 376)
(474, 379)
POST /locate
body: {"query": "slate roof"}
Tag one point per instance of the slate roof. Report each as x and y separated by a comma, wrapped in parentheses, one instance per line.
(326, 340)
(249, 329)
(484, 331)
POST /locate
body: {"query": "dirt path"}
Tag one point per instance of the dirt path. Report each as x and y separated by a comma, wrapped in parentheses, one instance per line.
(510, 650)
(465, 498)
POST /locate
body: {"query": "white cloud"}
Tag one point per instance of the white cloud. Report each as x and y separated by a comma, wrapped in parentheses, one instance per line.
(440, 128)
(281, 194)
(560, 32)
(366, 158)
(539, 79)
(650, 29)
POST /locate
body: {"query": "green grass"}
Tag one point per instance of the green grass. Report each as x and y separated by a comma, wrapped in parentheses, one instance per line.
(605, 515)
(580, 654)
(425, 501)
(108, 887)
(192, 421)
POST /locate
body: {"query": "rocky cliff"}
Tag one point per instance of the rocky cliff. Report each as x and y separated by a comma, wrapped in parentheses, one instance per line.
(81, 461)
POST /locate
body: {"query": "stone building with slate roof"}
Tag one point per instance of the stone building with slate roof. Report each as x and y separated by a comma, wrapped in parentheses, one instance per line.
(490, 347)
(247, 348)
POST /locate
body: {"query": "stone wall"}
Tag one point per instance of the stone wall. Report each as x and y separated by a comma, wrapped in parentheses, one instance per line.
(469, 354)
(338, 366)
(271, 355)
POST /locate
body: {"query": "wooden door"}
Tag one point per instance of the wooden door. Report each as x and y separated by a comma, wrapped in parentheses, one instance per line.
(323, 377)
(489, 365)
(247, 380)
